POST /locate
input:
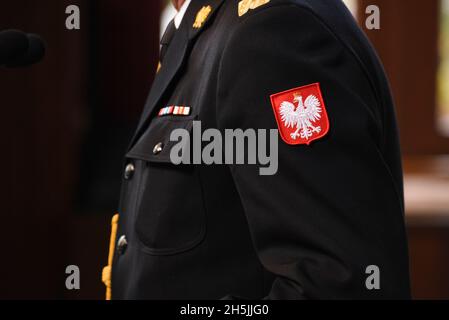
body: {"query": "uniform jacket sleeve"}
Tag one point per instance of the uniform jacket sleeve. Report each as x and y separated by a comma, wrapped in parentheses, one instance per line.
(332, 209)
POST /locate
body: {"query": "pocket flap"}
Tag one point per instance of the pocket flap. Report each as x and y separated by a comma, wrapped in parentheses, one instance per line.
(155, 145)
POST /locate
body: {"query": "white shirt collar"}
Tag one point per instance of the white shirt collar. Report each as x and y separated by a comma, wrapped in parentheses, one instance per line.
(181, 13)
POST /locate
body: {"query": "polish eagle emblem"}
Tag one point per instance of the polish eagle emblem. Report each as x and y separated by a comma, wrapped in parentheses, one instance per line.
(301, 114)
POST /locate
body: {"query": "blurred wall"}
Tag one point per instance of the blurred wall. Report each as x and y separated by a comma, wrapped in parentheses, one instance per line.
(408, 44)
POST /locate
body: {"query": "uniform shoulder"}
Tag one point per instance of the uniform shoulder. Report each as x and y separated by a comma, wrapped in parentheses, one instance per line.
(324, 10)
(267, 13)
(247, 8)
(259, 16)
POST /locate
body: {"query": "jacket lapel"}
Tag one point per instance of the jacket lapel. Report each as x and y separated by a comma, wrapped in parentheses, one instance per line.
(174, 59)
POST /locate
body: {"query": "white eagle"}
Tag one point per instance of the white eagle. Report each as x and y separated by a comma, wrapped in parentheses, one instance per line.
(303, 116)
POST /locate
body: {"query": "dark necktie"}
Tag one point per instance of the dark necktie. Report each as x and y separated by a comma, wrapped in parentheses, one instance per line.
(166, 39)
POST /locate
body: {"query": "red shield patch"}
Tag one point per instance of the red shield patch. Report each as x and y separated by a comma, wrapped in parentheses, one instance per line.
(301, 114)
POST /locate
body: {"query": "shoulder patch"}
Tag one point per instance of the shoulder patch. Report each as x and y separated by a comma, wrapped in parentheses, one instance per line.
(246, 5)
(301, 114)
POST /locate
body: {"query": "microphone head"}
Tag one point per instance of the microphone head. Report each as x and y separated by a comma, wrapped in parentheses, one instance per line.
(34, 54)
(13, 43)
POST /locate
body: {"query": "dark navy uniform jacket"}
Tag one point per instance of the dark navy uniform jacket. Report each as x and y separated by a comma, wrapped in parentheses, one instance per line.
(311, 230)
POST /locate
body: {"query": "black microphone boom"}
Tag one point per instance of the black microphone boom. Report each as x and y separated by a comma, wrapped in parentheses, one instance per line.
(18, 49)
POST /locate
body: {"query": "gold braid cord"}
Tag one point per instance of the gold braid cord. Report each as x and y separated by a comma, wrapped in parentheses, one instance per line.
(107, 271)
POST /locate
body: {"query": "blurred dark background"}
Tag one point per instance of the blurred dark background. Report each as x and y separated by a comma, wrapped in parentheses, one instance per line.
(66, 123)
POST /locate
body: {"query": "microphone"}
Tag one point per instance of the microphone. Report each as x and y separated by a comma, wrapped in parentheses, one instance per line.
(13, 43)
(18, 49)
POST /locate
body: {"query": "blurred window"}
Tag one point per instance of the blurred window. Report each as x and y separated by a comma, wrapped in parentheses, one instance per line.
(443, 72)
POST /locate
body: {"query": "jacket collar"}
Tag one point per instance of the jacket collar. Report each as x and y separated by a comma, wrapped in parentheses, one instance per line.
(175, 57)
